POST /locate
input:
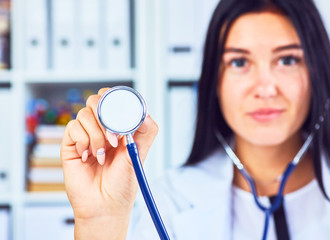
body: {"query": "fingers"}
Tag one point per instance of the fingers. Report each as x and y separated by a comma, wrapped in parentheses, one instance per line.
(88, 135)
(102, 91)
(76, 135)
(86, 132)
(97, 139)
(145, 136)
(112, 138)
(92, 103)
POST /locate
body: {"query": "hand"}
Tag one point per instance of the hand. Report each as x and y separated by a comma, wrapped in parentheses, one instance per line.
(98, 173)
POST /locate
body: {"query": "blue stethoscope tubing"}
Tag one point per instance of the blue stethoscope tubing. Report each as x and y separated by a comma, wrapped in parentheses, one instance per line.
(151, 205)
(135, 158)
(145, 190)
(289, 169)
(279, 196)
(147, 195)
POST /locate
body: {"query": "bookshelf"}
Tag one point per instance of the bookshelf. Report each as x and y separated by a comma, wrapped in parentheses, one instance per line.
(161, 63)
(36, 73)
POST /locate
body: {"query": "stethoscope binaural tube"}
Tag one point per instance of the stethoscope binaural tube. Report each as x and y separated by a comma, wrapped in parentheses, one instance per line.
(279, 196)
(289, 169)
(122, 110)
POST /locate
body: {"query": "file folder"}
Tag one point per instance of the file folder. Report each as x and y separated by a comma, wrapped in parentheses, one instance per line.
(182, 116)
(5, 136)
(117, 34)
(89, 35)
(324, 8)
(64, 25)
(181, 36)
(4, 223)
(187, 26)
(48, 222)
(36, 42)
(203, 17)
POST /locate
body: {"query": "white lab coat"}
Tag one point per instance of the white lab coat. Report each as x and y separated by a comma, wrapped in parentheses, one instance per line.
(195, 202)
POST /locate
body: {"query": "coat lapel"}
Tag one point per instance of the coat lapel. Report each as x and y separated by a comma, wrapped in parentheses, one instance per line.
(210, 202)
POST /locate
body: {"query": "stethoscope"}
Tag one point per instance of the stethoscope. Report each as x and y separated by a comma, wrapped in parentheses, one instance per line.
(121, 110)
(283, 178)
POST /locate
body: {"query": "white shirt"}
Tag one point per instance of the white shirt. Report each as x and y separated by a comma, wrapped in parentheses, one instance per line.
(302, 221)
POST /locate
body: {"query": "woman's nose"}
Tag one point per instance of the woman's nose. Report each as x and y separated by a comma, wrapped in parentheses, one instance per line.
(265, 91)
(265, 86)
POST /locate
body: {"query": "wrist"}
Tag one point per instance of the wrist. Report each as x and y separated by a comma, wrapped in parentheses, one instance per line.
(102, 227)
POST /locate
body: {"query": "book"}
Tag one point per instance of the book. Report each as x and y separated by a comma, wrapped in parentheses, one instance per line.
(45, 187)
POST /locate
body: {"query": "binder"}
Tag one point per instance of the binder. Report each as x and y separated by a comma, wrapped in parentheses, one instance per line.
(324, 8)
(181, 36)
(36, 43)
(182, 115)
(203, 17)
(64, 34)
(4, 223)
(5, 137)
(48, 222)
(187, 26)
(117, 31)
(89, 35)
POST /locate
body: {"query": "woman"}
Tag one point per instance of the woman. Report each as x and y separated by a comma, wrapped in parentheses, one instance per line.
(264, 87)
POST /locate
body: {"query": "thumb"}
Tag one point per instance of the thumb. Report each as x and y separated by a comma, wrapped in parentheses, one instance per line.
(145, 136)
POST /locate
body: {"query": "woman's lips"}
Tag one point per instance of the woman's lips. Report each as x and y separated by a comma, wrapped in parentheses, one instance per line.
(265, 114)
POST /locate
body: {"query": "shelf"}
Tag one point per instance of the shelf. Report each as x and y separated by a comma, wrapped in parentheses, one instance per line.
(78, 76)
(183, 77)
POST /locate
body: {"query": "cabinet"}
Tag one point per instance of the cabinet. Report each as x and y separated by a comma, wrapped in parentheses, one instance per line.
(60, 45)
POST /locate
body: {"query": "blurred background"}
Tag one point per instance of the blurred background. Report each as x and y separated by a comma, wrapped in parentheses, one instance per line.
(56, 53)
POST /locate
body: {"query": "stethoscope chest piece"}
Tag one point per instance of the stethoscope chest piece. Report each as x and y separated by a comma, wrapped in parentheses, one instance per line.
(121, 110)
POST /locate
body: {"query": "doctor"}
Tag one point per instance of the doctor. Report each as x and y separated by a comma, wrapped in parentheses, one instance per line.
(264, 87)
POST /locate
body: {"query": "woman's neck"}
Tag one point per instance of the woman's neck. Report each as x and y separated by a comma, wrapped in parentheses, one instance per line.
(266, 164)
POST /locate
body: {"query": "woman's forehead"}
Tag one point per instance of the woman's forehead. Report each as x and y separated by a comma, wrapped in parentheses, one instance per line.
(253, 29)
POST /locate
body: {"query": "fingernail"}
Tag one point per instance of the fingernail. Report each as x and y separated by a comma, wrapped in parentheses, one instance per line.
(84, 156)
(100, 155)
(112, 138)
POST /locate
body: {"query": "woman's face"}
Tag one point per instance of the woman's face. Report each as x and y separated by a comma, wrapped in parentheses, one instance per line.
(264, 89)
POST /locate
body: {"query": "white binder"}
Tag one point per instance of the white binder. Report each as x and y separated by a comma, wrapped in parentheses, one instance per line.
(5, 138)
(181, 36)
(324, 8)
(64, 34)
(89, 35)
(4, 223)
(48, 222)
(36, 43)
(117, 31)
(182, 115)
(186, 27)
(203, 17)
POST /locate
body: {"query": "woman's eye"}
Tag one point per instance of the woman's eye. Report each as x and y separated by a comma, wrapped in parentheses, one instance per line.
(289, 60)
(238, 63)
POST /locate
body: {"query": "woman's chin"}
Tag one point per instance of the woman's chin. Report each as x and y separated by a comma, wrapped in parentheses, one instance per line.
(266, 139)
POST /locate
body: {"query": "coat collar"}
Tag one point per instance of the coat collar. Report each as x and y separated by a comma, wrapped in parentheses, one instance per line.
(206, 199)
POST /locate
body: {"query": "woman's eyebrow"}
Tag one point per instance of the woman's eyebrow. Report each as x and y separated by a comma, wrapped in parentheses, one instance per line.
(236, 50)
(287, 47)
